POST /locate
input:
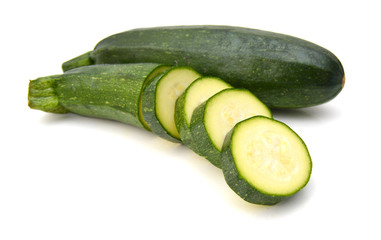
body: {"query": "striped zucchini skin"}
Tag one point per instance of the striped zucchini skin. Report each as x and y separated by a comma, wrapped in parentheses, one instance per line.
(101, 91)
(281, 70)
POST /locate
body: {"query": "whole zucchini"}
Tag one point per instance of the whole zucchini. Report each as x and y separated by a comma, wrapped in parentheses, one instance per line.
(281, 70)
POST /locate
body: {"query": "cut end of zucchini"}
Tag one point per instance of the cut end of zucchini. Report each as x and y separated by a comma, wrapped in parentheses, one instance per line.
(270, 156)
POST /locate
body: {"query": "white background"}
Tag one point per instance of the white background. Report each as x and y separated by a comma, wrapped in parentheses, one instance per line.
(72, 177)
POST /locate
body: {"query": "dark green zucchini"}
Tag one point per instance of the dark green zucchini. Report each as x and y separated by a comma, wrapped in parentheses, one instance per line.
(281, 70)
(103, 91)
(264, 161)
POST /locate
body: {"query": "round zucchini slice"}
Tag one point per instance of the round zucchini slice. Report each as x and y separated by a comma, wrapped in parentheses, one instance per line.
(159, 98)
(213, 119)
(265, 161)
(198, 92)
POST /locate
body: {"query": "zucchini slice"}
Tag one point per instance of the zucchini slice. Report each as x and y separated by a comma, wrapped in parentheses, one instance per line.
(198, 92)
(265, 161)
(213, 119)
(159, 98)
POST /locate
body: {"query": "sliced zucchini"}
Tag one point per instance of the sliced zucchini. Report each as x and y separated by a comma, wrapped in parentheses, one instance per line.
(159, 98)
(264, 161)
(213, 119)
(198, 92)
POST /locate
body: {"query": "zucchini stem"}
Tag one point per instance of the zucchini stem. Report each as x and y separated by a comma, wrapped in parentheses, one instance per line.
(79, 61)
(42, 96)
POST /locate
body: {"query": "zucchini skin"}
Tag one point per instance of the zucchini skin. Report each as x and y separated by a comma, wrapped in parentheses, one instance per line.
(281, 70)
(203, 146)
(181, 125)
(101, 91)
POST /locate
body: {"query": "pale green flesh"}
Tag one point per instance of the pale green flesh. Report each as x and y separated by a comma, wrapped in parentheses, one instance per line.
(270, 156)
(227, 108)
(201, 90)
(170, 87)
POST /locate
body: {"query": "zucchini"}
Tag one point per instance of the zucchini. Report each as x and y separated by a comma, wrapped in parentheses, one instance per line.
(213, 119)
(103, 91)
(281, 70)
(198, 92)
(264, 161)
(159, 98)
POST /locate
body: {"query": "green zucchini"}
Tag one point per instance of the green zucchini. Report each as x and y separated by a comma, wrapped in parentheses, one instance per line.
(281, 70)
(198, 92)
(103, 91)
(264, 161)
(159, 98)
(213, 119)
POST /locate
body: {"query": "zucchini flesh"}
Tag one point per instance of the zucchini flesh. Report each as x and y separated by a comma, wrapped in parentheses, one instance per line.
(228, 108)
(213, 119)
(159, 98)
(264, 161)
(281, 70)
(198, 92)
(102, 91)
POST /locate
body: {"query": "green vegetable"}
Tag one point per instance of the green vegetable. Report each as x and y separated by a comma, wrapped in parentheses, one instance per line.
(81, 60)
(198, 92)
(281, 70)
(103, 91)
(159, 98)
(264, 161)
(213, 119)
